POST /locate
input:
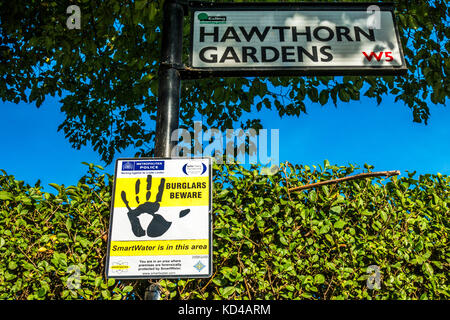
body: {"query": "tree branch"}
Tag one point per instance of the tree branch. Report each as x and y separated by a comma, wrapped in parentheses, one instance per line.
(356, 176)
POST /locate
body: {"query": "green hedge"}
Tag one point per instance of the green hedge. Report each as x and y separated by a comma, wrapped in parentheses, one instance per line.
(268, 243)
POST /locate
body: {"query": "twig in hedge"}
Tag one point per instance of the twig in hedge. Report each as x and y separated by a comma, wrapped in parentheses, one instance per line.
(27, 257)
(210, 279)
(243, 267)
(270, 281)
(286, 179)
(51, 214)
(329, 285)
(356, 176)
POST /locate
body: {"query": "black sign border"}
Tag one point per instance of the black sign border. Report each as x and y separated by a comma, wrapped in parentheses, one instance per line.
(142, 277)
(194, 73)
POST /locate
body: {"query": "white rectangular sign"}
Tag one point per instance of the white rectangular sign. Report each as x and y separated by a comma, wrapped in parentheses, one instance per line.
(160, 224)
(251, 38)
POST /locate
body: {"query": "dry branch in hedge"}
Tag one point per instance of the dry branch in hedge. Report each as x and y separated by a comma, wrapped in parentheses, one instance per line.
(354, 177)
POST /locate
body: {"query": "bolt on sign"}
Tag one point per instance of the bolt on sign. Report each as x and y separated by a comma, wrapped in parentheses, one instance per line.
(295, 39)
(161, 223)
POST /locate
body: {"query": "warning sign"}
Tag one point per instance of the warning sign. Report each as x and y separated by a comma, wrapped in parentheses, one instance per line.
(160, 224)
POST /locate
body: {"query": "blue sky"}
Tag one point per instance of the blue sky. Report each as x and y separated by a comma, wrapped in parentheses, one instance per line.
(356, 132)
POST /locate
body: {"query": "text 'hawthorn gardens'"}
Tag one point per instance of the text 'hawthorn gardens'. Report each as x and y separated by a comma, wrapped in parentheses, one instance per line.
(284, 34)
(293, 39)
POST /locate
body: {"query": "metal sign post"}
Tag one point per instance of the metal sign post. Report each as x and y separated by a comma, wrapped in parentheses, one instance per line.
(169, 77)
(169, 88)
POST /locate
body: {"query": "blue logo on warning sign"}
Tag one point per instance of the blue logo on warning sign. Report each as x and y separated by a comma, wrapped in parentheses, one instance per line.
(148, 165)
(127, 166)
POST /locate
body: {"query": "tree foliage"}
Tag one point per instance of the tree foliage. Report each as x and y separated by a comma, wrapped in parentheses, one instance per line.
(269, 243)
(106, 72)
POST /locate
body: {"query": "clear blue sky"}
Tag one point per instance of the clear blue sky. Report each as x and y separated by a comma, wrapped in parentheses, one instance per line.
(356, 132)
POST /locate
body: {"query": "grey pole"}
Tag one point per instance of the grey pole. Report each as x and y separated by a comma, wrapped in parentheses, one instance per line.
(152, 292)
(169, 91)
(169, 77)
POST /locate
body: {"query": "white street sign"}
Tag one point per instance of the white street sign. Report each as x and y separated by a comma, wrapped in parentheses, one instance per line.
(251, 38)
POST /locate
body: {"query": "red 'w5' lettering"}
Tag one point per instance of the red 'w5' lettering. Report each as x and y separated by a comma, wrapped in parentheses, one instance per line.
(379, 56)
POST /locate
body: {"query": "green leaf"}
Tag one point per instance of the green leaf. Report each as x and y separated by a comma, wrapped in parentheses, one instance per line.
(223, 193)
(111, 282)
(323, 97)
(312, 196)
(98, 281)
(69, 223)
(326, 191)
(319, 279)
(84, 242)
(56, 186)
(343, 95)
(283, 241)
(339, 224)
(41, 292)
(62, 235)
(307, 295)
(313, 94)
(128, 289)
(4, 195)
(226, 292)
(336, 209)
(324, 229)
(275, 209)
(419, 245)
(25, 200)
(383, 215)
(290, 287)
(377, 225)
(428, 269)
(65, 293)
(218, 282)
(106, 294)
(438, 264)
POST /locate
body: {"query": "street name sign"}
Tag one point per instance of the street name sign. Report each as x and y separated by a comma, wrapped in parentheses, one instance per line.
(160, 222)
(295, 39)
